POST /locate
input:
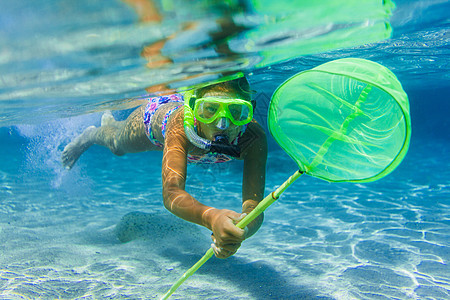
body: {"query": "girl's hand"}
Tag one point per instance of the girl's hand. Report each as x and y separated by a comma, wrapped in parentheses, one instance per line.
(226, 237)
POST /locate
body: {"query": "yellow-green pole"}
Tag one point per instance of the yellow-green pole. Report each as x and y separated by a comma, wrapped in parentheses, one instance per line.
(262, 206)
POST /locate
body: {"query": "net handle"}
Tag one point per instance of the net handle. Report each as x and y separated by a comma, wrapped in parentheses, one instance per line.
(259, 209)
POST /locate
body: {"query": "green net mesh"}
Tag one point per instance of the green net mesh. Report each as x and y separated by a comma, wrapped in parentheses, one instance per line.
(346, 120)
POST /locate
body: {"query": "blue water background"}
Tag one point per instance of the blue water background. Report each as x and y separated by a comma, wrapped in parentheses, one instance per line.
(383, 240)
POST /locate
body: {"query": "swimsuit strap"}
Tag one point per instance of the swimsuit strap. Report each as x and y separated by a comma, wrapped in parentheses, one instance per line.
(208, 158)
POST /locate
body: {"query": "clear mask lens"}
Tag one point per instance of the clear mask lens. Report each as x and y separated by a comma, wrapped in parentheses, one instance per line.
(208, 110)
(239, 112)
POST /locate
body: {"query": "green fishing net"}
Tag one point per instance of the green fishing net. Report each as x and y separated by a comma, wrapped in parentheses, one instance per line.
(345, 120)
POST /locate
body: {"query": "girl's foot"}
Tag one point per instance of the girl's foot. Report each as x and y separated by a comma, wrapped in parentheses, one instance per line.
(74, 149)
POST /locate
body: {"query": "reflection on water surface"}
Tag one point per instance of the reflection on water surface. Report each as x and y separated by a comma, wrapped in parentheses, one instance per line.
(66, 58)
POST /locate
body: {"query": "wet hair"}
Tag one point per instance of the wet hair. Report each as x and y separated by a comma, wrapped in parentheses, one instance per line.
(239, 86)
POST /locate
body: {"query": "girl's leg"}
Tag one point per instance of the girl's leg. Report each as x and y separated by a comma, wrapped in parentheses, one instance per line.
(120, 137)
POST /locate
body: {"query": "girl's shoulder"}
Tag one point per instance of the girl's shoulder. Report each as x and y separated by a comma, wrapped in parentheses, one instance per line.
(253, 140)
(255, 130)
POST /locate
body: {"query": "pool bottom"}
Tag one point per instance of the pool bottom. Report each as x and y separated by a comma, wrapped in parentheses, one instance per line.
(387, 239)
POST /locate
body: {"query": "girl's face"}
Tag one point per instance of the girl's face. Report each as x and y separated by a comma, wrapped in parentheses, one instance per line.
(211, 131)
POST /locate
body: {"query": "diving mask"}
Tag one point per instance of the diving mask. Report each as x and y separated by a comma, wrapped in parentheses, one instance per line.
(209, 109)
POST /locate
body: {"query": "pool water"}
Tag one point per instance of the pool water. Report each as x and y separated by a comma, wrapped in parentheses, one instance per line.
(383, 240)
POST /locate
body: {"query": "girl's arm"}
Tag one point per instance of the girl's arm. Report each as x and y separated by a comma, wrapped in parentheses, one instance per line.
(254, 153)
(182, 204)
(174, 169)
(226, 236)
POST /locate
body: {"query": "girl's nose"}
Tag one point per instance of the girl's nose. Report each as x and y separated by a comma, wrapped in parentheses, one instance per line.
(223, 123)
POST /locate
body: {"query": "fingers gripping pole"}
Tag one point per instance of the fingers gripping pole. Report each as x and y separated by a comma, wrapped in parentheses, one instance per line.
(262, 206)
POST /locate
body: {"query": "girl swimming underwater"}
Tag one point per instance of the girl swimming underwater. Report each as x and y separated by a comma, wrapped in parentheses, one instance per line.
(212, 124)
